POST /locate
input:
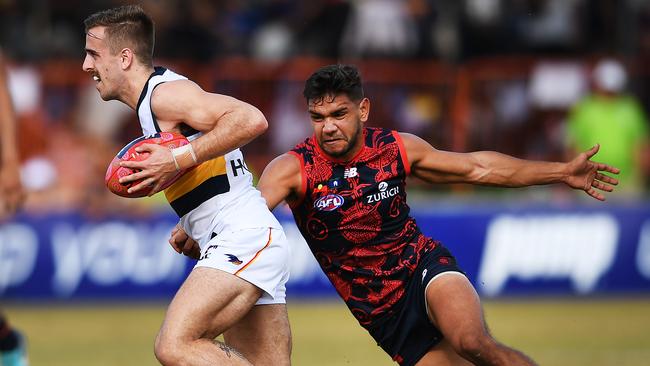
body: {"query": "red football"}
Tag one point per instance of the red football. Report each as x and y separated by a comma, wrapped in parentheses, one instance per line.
(115, 172)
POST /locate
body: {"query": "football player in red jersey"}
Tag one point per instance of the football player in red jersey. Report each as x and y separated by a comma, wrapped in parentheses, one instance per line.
(345, 186)
(12, 346)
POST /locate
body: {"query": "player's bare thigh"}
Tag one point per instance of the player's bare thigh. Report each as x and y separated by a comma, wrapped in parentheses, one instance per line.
(442, 354)
(209, 302)
(263, 335)
(453, 306)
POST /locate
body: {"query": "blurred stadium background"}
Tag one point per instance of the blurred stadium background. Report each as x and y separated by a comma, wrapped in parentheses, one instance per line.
(87, 275)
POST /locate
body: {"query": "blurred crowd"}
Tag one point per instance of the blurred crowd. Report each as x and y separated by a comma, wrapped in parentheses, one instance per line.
(536, 79)
(450, 30)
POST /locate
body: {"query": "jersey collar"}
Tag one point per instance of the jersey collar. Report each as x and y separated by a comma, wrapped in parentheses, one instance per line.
(156, 71)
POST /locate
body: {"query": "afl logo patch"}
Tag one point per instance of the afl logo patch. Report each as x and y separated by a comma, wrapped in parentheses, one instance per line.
(329, 202)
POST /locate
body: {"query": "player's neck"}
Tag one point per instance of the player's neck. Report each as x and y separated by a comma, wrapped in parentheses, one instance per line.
(134, 85)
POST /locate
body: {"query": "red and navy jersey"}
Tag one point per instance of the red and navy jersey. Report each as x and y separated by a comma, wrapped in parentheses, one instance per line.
(356, 221)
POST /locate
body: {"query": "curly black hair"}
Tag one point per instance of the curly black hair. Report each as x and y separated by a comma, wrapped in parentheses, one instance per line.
(333, 80)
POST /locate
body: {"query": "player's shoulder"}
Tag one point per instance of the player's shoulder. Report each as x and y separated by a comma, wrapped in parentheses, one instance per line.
(174, 93)
(287, 162)
(174, 89)
(409, 139)
(284, 170)
(415, 147)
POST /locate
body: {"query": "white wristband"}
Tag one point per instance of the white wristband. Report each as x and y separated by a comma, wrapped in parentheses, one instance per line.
(178, 168)
(184, 157)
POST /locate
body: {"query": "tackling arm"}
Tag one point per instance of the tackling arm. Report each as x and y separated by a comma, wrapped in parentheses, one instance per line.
(496, 169)
(281, 180)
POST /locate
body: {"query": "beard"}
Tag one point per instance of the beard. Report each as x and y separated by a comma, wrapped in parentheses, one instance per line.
(351, 143)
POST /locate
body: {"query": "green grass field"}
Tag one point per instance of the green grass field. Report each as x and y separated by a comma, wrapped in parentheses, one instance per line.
(553, 332)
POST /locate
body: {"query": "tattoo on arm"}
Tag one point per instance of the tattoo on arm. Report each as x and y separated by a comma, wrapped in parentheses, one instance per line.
(229, 351)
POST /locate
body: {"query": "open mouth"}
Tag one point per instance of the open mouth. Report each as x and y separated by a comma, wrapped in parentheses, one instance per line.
(96, 78)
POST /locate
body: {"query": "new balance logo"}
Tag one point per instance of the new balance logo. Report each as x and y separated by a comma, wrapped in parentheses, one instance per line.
(350, 173)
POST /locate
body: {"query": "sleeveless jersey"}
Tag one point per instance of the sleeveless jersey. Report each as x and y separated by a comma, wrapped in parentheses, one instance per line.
(355, 218)
(217, 194)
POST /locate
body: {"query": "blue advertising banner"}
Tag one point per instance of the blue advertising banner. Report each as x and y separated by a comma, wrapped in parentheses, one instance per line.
(505, 251)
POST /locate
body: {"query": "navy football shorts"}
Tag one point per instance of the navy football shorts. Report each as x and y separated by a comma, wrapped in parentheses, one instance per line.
(408, 334)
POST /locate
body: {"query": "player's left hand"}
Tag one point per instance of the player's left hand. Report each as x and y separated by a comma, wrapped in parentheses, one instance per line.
(588, 175)
(155, 170)
(182, 243)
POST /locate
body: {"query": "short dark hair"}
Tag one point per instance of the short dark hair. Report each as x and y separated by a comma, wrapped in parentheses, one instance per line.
(126, 26)
(333, 80)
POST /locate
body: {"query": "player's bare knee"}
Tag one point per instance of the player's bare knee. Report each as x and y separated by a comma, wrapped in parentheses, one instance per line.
(166, 355)
(472, 345)
(167, 351)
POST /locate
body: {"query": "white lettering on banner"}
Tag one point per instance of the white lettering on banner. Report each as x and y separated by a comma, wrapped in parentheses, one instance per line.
(302, 265)
(643, 250)
(112, 252)
(577, 247)
(18, 251)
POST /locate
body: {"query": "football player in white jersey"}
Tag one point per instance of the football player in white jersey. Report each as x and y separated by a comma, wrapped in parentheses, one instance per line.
(237, 288)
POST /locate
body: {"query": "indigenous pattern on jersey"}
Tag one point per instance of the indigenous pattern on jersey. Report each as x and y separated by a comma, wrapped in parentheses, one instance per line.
(215, 195)
(356, 221)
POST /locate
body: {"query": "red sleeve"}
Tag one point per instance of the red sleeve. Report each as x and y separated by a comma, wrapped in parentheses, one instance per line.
(402, 152)
(303, 185)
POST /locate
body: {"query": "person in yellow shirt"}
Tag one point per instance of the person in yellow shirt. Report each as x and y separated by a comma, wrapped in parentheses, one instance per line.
(615, 120)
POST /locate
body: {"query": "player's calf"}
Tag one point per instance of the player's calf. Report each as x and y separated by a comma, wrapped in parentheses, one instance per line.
(263, 336)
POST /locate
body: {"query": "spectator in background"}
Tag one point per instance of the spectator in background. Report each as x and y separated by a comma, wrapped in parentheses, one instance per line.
(615, 120)
(12, 350)
(319, 25)
(380, 28)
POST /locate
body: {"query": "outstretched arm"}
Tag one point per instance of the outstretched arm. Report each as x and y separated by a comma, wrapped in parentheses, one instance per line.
(226, 123)
(11, 189)
(496, 169)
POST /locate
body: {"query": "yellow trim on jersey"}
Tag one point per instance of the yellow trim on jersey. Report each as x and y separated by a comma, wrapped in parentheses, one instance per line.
(195, 177)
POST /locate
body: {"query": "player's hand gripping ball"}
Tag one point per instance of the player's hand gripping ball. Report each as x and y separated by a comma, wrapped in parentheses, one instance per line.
(114, 172)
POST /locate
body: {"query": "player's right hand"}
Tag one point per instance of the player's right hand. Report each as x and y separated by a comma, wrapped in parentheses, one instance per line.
(182, 243)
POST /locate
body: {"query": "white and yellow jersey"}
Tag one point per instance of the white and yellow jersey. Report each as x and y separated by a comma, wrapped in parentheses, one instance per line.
(216, 195)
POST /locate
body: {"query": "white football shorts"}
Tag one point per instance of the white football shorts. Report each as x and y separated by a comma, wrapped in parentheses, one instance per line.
(257, 255)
